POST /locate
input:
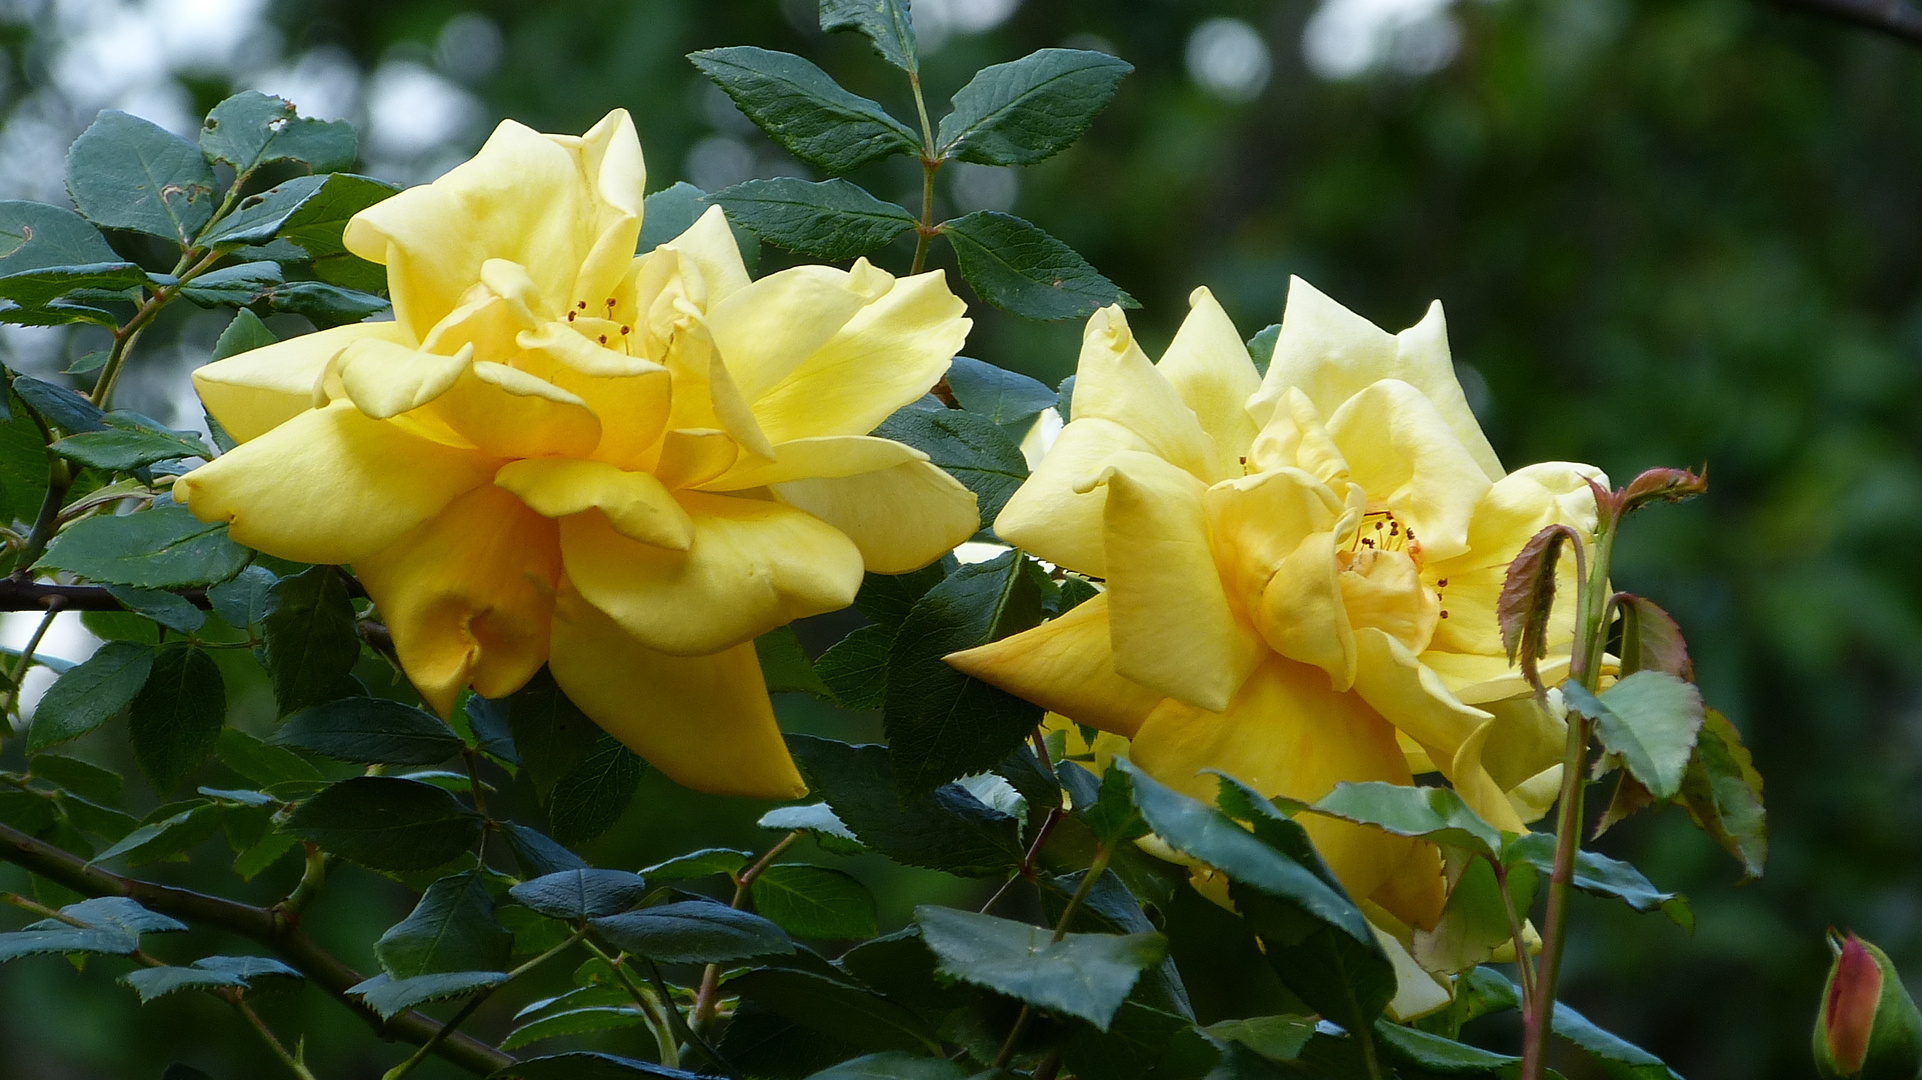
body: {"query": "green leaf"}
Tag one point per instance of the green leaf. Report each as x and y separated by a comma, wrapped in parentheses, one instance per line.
(1474, 922)
(886, 599)
(267, 766)
(1015, 266)
(452, 929)
(815, 902)
(389, 996)
(573, 1022)
(699, 864)
(323, 304)
(258, 971)
(252, 129)
(785, 666)
(165, 547)
(835, 1007)
(1432, 813)
(69, 939)
(671, 211)
(581, 894)
(551, 735)
(885, 22)
(946, 829)
(1277, 1038)
(370, 730)
(1111, 816)
(116, 912)
(155, 983)
(594, 794)
(538, 852)
(818, 820)
(1084, 975)
(82, 778)
(893, 1065)
(244, 334)
(1021, 112)
(693, 932)
(50, 251)
(855, 669)
(90, 694)
(1619, 1058)
(1008, 398)
(236, 285)
(1434, 1054)
(803, 109)
(973, 449)
(127, 173)
(587, 1065)
(1651, 719)
(130, 441)
(1261, 347)
(942, 724)
(1723, 794)
(387, 823)
(58, 405)
(309, 211)
(166, 834)
(242, 599)
(171, 610)
(174, 721)
(1600, 875)
(831, 220)
(308, 627)
(1651, 640)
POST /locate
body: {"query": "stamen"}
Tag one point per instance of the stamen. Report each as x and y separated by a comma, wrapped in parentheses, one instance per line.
(603, 339)
(625, 330)
(582, 304)
(570, 316)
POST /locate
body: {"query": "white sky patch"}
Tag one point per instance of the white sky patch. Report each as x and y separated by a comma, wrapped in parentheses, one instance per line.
(937, 20)
(413, 111)
(1227, 58)
(323, 83)
(66, 639)
(1346, 38)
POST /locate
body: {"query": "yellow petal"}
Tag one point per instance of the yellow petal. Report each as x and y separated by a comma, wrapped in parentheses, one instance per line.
(694, 456)
(901, 518)
(826, 456)
(1384, 590)
(1208, 366)
(331, 485)
(704, 721)
(1114, 381)
(709, 246)
(1524, 740)
(568, 345)
(255, 391)
(511, 414)
(1274, 541)
(1416, 891)
(1065, 665)
(565, 208)
(1404, 456)
(468, 596)
(705, 394)
(887, 355)
(751, 567)
(1052, 515)
(384, 379)
(1295, 437)
(768, 329)
(635, 504)
(1286, 733)
(1331, 354)
(1516, 508)
(1173, 628)
(1417, 993)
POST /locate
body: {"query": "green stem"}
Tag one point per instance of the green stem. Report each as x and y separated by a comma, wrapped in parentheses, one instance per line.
(59, 479)
(26, 655)
(1585, 668)
(1523, 968)
(294, 1064)
(123, 338)
(313, 875)
(706, 1000)
(652, 1009)
(930, 164)
(475, 1002)
(692, 1037)
(1095, 869)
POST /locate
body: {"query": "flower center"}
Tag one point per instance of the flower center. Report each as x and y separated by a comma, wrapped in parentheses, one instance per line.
(1381, 531)
(1381, 581)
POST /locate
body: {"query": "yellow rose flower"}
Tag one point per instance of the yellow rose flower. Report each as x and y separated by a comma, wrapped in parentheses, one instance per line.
(1301, 574)
(558, 453)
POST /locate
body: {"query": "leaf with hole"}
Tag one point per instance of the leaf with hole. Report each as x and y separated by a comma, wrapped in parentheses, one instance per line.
(128, 173)
(252, 129)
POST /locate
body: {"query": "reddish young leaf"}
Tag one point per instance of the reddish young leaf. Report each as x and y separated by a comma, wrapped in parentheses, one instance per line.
(1662, 485)
(1630, 796)
(1651, 640)
(1528, 593)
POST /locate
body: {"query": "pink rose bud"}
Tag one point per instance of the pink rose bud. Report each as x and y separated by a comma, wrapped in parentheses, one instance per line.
(1869, 1027)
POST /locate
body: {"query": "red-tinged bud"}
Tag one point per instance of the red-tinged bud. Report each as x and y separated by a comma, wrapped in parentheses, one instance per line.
(1662, 485)
(1869, 1028)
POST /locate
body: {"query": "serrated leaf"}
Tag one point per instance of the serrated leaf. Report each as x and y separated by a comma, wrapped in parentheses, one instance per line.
(581, 894)
(171, 610)
(693, 932)
(308, 626)
(1422, 1050)
(117, 912)
(271, 849)
(1030, 109)
(538, 852)
(257, 971)
(252, 129)
(267, 766)
(71, 939)
(803, 109)
(155, 983)
(323, 304)
(815, 902)
(573, 1022)
(1084, 975)
(130, 441)
(90, 694)
(387, 823)
(588, 1065)
(699, 864)
(550, 732)
(389, 996)
(855, 669)
(1528, 596)
(946, 829)
(174, 721)
(886, 599)
(835, 1007)
(370, 730)
(673, 210)
(1619, 1058)
(236, 285)
(1436, 814)
(1650, 718)
(1111, 814)
(1599, 875)
(1008, 398)
(128, 173)
(818, 819)
(452, 929)
(310, 211)
(785, 666)
(1723, 794)
(830, 220)
(1261, 347)
(58, 405)
(594, 794)
(161, 548)
(942, 724)
(1014, 265)
(82, 778)
(886, 23)
(50, 251)
(168, 836)
(244, 334)
(1651, 640)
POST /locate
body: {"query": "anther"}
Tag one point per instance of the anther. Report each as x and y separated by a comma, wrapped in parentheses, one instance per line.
(570, 316)
(582, 304)
(1442, 584)
(627, 329)
(1444, 614)
(603, 339)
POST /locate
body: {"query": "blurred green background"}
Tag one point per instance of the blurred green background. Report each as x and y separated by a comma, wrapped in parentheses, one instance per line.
(1665, 232)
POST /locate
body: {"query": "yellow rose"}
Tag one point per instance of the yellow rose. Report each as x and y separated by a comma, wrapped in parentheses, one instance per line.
(558, 453)
(1301, 574)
